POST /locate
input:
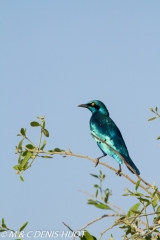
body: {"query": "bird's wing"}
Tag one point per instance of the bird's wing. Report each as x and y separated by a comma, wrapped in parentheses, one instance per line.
(104, 127)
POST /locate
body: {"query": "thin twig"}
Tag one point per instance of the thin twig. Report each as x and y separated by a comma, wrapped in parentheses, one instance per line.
(75, 232)
(145, 215)
(142, 222)
(113, 205)
(68, 227)
(142, 215)
(39, 144)
(101, 234)
(40, 138)
(29, 141)
(97, 219)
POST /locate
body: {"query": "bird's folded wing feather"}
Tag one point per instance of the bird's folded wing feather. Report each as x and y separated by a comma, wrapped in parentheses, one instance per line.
(104, 127)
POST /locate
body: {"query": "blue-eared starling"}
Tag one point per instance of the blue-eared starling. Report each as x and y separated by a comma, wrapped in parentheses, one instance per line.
(103, 127)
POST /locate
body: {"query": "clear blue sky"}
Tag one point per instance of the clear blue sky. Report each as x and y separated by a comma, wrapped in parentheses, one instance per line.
(54, 56)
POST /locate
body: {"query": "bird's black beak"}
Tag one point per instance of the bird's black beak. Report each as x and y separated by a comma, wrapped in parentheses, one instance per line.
(83, 105)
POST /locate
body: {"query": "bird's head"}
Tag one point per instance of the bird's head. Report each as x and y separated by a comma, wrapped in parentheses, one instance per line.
(95, 106)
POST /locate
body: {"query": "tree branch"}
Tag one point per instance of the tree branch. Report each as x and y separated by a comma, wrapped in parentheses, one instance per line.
(69, 153)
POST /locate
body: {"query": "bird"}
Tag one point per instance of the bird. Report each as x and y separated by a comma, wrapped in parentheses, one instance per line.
(103, 129)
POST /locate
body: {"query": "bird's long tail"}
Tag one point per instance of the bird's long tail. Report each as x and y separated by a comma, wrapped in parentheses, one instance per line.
(131, 163)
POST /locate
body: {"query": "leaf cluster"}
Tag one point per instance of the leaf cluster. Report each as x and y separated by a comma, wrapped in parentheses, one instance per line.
(4, 227)
(29, 152)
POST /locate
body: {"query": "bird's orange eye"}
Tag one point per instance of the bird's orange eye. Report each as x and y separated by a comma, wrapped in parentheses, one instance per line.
(92, 104)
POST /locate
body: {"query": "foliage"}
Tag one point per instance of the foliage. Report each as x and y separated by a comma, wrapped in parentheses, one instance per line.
(29, 152)
(19, 233)
(136, 222)
(141, 221)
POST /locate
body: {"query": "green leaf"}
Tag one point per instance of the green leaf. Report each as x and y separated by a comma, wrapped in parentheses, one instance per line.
(22, 179)
(45, 132)
(2, 230)
(136, 194)
(93, 175)
(43, 145)
(137, 184)
(30, 146)
(133, 208)
(23, 226)
(98, 204)
(123, 227)
(158, 210)
(144, 200)
(4, 225)
(46, 157)
(96, 193)
(152, 118)
(154, 203)
(137, 212)
(87, 236)
(96, 186)
(106, 197)
(16, 167)
(24, 153)
(58, 150)
(126, 194)
(26, 158)
(156, 109)
(2, 221)
(128, 230)
(22, 131)
(20, 144)
(35, 124)
(158, 138)
(43, 124)
(19, 158)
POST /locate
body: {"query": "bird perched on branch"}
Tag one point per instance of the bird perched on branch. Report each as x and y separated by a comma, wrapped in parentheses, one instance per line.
(103, 129)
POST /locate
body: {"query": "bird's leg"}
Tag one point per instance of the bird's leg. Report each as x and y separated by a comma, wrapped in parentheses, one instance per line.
(119, 170)
(97, 159)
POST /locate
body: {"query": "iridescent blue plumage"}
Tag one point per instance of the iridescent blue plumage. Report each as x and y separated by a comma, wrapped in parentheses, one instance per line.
(103, 127)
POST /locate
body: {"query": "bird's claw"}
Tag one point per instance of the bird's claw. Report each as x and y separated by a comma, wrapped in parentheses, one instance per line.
(119, 172)
(96, 163)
